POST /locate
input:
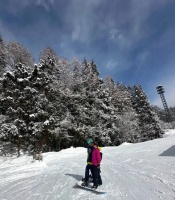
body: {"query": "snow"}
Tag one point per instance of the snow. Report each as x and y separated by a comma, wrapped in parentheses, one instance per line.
(142, 171)
(46, 122)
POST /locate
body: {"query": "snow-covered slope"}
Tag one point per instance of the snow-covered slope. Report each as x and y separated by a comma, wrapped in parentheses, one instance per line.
(144, 171)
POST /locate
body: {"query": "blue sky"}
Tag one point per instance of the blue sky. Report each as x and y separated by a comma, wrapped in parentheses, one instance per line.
(133, 41)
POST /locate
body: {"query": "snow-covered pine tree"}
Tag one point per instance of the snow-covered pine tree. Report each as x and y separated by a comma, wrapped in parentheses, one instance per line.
(128, 121)
(77, 79)
(64, 102)
(149, 125)
(123, 120)
(48, 55)
(49, 61)
(109, 84)
(27, 107)
(65, 76)
(84, 80)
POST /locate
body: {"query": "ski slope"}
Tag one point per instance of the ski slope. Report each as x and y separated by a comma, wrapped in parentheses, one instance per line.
(143, 171)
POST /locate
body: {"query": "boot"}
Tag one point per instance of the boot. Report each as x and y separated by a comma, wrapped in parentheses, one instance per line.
(94, 187)
(85, 184)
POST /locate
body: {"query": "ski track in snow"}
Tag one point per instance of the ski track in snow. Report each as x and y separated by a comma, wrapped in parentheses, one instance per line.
(129, 172)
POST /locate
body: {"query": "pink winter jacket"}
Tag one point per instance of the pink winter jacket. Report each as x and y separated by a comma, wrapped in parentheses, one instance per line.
(96, 157)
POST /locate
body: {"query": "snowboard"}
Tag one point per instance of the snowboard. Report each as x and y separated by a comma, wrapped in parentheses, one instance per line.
(89, 188)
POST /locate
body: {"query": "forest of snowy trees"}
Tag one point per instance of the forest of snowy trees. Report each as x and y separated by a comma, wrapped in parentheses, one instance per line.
(59, 103)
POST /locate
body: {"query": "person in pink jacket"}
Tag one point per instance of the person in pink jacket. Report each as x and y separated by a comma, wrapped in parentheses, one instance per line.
(96, 160)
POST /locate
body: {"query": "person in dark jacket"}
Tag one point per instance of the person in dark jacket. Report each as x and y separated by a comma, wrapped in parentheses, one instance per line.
(89, 167)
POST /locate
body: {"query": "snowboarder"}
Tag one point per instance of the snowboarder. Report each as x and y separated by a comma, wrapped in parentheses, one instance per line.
(89, 166)
(96, 160)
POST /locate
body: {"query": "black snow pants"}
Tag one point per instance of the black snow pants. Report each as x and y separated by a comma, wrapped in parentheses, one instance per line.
(96, 176)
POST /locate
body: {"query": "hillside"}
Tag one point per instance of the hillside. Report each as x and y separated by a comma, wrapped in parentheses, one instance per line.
(141, 171)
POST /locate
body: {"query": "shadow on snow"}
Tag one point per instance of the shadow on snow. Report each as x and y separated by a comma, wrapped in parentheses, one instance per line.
(75, 176)
(169, 152)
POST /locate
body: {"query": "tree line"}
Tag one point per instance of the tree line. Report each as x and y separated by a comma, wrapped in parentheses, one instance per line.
(58, 103)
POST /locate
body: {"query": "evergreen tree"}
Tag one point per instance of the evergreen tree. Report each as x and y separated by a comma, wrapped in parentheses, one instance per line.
(49, 59)
(26, 103)
(49, 56)
(109, 84)
(148, 123)
(77, 81)
(123, 119)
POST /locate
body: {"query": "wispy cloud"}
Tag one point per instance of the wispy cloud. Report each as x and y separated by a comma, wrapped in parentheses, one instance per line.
(111, 65)
(114, 34)
(18, 5)
(82, 19)
(45, 3)
(132, 41)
